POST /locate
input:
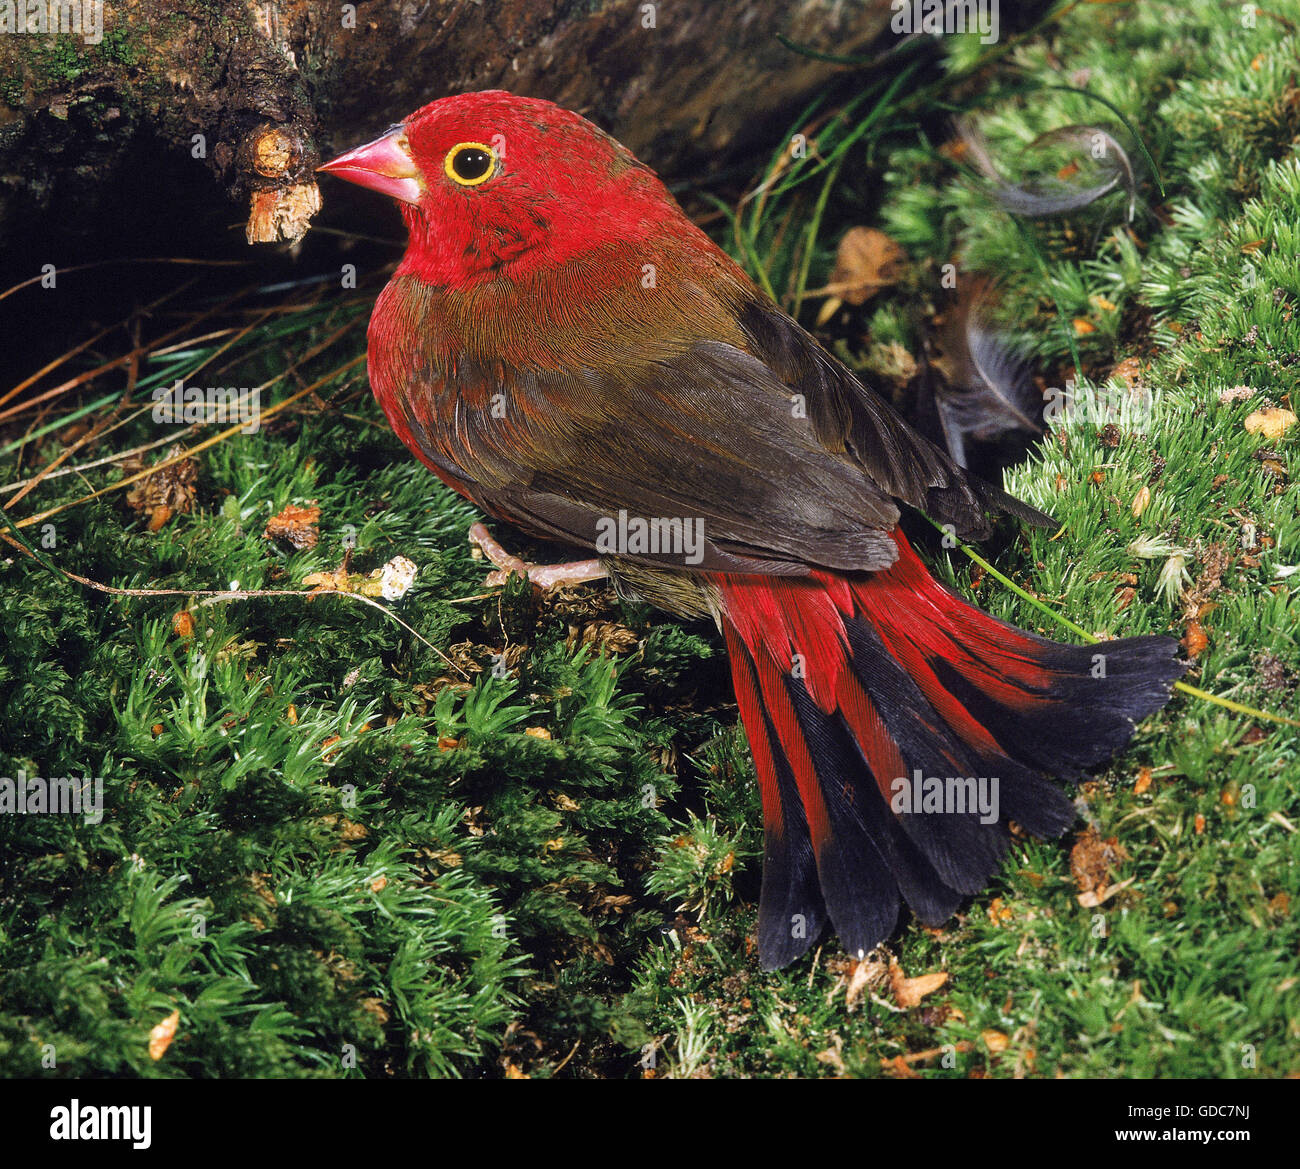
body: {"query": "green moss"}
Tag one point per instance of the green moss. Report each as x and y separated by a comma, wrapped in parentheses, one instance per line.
(122, 46)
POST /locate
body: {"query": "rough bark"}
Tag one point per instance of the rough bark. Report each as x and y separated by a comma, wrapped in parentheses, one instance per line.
(258, 92)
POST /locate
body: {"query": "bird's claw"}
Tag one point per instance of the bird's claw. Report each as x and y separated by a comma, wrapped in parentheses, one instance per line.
(544, 576)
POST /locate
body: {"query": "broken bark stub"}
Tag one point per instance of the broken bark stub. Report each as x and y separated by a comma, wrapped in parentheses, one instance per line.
(285, 195)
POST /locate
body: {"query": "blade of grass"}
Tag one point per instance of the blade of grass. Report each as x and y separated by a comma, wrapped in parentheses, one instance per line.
(1065, 622)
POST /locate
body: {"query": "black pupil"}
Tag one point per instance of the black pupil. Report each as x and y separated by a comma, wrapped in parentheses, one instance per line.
(471, 163)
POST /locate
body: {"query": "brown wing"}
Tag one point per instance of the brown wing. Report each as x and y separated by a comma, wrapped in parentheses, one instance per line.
(858, 423)
(774, 450)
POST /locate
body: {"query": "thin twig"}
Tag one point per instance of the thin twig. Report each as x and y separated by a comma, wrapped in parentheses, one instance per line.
(116, 456)
(122, 359)
(71, 353)
(125, 260)
(215, 595)
(229, 432)
(132, 373)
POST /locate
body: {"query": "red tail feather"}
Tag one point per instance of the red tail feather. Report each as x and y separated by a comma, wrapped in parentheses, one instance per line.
(860, 693)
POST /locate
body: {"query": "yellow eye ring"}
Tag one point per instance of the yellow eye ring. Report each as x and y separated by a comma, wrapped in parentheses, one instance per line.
(470, 163)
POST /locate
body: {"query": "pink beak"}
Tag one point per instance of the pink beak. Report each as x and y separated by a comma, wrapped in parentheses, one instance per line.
(384, 165)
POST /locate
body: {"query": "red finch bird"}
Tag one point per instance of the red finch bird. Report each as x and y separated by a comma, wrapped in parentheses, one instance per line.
(562, 346)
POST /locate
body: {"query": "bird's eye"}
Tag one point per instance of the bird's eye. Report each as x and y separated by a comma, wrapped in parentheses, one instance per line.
(470, 163)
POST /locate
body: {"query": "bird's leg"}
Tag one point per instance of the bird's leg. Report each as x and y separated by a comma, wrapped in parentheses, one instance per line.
(544, 576)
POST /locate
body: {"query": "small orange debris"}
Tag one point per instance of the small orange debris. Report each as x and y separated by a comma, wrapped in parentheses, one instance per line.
(1092, 859)
(160, 1038)
(296, 526)
(1272, 422)
(1195, 640)
(999, 912)
(995, 1041)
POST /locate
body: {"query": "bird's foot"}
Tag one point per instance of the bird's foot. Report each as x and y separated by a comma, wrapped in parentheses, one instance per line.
(544, 576)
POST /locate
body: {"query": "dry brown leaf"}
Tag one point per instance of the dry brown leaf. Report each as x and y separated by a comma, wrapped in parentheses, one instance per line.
(866, 261)
(1214, 561)
(1272, 422)
(1128, 371)
(863, 974)
(165, 493)
(1103, 893)
(1092, 858)
(832, 1056)
(334, 581)
(908, 992)
(998, 912)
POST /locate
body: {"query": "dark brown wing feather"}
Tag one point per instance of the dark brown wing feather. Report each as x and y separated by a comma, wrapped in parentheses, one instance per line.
(856, 421)
(770, 444)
